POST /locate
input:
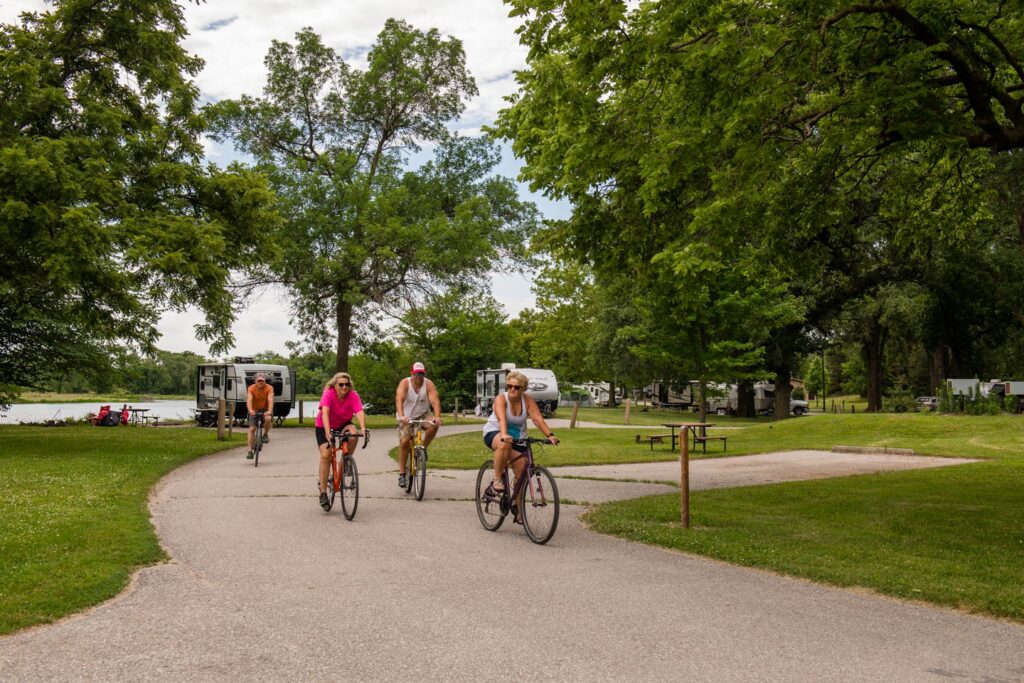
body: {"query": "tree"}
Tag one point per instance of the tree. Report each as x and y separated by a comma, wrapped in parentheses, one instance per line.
(109, 216)
(360, 233)
(455, 335)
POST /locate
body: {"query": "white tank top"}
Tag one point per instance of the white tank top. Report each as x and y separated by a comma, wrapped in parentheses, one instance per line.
(416, 403)
(516, 423)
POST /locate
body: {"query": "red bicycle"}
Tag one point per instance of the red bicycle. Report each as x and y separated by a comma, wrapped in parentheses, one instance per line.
(343, 477)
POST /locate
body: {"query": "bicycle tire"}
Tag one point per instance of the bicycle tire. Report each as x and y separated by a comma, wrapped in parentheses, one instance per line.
(257, 445)
(330, 488)
(488, 510)
(410, 472)
(419, 485)
(539, 506)
(349, 487)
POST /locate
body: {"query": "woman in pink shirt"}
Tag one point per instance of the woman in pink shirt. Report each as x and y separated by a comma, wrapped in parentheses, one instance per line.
(338, 405)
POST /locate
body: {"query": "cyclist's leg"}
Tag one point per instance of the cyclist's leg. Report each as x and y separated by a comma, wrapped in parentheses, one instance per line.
(325, 457)
(252, 433)
(404, 446)
(268, 420)
(502, 453)
(429, 432)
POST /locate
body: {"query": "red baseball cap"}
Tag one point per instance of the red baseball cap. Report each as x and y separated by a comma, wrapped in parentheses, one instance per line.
(418, 368)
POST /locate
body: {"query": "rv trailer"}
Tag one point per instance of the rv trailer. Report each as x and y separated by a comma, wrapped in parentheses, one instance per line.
(231, 381)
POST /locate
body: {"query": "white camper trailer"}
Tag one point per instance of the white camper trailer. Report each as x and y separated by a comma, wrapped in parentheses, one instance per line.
(231, 381)
(541, 385)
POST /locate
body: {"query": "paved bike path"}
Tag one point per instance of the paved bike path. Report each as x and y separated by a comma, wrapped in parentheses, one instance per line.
(264, 585)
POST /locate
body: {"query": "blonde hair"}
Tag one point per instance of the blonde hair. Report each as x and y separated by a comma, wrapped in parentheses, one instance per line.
(332, 383)
(515, 374)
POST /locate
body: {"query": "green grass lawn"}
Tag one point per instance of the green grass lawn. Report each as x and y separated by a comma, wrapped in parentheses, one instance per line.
(950, 536)
(53, 397)
(582, 446)
(74, 523)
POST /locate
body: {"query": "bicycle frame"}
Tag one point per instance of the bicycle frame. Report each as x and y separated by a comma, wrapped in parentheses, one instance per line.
(519, 489)
(340, 442)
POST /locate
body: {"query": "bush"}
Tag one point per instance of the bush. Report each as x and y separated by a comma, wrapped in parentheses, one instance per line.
(798, 394)
(898, 402)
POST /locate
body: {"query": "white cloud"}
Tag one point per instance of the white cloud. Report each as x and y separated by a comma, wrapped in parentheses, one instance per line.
(233, 36)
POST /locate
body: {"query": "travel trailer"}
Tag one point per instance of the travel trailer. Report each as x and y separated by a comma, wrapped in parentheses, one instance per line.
(764, 399)
(231, 381)
(541, 385)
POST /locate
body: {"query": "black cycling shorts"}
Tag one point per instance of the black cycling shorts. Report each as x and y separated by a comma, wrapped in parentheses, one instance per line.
(489, 441)
(321, 434)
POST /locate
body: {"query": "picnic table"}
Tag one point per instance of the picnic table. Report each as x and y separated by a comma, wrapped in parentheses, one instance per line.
(138, 415)
(673, 426)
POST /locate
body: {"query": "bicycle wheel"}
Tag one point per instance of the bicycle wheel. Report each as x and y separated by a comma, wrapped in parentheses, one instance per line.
(419, 477)
(257, 446)
(330, 488)
(539, 506)
(349, 487)
(488, 508)
(410, 471)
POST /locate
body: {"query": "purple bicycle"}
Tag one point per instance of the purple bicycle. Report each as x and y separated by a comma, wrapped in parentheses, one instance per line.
(533, 501)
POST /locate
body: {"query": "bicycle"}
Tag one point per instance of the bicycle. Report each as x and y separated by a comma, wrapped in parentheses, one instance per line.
(416, 481)
(533, 500)
(344, 478)
(257, 439)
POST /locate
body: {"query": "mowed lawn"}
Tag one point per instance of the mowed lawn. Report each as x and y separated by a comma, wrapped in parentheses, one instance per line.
(951, 536)
(74, 522)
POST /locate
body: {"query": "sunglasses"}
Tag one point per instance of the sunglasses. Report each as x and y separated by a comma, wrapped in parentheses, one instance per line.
(344, 384)
(514, 386)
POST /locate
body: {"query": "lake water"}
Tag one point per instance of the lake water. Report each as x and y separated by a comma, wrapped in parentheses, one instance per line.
(167, 410)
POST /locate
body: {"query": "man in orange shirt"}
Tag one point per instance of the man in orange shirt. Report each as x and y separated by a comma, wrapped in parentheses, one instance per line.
(259, 399)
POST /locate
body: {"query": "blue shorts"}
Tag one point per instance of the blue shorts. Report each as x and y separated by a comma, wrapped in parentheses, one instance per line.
(489, 439)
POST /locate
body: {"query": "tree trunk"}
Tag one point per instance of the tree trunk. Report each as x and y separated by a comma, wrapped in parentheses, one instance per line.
(783, 390)
(611, 394)
(873, 352)
(344, 320)
(938, 368)
(745, 399)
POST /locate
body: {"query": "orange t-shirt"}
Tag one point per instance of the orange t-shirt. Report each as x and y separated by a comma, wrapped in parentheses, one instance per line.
(261, 399)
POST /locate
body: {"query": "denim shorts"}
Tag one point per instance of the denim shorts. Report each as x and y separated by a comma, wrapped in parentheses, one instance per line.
(489, 440)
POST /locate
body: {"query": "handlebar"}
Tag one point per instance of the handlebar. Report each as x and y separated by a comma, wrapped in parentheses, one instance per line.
(342, 434)
(527, 441)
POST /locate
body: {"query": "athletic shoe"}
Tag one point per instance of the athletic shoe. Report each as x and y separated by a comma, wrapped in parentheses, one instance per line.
(266, 439)
(248, 456)
(325, 502)
(401, 481)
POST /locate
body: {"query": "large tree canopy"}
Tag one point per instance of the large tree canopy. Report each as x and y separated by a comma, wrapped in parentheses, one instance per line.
(107, 216)
(833, 147)
(361, 231)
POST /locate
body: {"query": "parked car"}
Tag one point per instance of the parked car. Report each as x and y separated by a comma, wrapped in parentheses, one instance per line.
(798, 407)
(927, 402)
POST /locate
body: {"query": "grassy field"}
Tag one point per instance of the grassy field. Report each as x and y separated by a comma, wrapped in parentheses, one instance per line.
(74, 523)
(950, 536)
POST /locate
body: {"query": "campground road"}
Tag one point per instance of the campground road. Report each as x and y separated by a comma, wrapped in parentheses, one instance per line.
(264, 585)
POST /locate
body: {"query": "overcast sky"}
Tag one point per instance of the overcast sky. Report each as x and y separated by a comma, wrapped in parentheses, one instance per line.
(232, 36)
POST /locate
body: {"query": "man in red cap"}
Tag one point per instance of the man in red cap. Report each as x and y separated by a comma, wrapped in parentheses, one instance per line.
(415, 398)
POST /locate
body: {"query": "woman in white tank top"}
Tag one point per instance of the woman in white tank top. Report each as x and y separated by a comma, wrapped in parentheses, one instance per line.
(507, 422)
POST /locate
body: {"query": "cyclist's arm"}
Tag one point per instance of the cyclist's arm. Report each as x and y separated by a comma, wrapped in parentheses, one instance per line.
(248, 402)
(325, 414)
(533, 410)
(499, 411)
(361, 418)
(435, 401)
(400, 393)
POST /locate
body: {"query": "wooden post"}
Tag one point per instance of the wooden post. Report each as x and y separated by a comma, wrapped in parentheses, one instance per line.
(220, 419)
(455, 415)
(230, 417)
(853, 408)
(575, 411)
(684, 477)
(627, 411)
(300, 410)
